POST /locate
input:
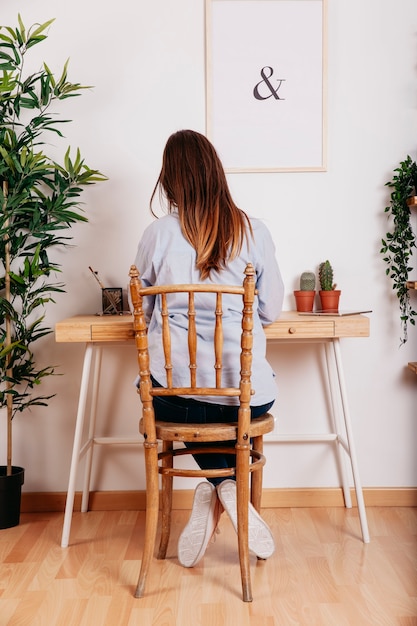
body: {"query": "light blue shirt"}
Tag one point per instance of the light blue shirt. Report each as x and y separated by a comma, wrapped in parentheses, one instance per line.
(165, 257)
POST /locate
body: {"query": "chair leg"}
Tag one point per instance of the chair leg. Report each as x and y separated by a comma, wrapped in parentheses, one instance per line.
(167, 446)
(152, 511)
(256, 477)
(242, 497)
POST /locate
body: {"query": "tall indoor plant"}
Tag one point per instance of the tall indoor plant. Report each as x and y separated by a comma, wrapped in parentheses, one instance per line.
(397, 247)
(39, 199)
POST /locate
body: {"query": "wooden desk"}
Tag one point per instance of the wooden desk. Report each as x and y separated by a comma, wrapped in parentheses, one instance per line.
(98, 331)
(290, 325)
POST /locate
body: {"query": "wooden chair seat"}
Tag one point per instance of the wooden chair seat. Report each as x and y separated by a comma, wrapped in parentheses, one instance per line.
(198, 433)
(222, 431)
(160, 436)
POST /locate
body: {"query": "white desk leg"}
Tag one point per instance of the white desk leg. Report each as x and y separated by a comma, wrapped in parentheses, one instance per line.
(351, 444)
(330, 361)
(82, 401)
(91, 429)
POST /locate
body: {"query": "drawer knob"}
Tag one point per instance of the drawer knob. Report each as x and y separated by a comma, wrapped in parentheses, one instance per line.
(292, 330)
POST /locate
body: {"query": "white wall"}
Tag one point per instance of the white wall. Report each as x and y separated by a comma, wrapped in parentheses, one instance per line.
(146, 62)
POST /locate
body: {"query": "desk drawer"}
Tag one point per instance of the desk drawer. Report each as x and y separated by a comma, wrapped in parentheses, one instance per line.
(299, 329)
(112, 332)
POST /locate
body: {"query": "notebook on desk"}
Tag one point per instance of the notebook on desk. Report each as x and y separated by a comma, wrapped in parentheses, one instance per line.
(334, 313)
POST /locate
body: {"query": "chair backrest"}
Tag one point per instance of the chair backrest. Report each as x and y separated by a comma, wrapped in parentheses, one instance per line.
(247, 293)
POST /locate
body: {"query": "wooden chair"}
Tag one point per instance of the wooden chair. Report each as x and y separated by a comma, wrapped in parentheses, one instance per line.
(247, 433)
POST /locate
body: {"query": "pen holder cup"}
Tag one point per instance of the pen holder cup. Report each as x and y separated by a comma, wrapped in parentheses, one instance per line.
(112, 300)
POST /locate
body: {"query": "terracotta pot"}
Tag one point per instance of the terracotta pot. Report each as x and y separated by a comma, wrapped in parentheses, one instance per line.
(330, 300)
(304, 300)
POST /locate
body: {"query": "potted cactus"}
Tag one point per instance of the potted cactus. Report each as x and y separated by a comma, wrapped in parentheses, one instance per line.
(329, 295)
(304, 297)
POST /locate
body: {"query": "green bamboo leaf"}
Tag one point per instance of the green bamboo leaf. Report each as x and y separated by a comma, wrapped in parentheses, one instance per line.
(12, 32)
(23, 156)
(67, 160)
(51, 76)
(45, 90)
(22, 27)
(5, 67)
(61, 81)
(7, 39)
(42, 28)
(7, 349)
(30, 102)
(19, 37)
(6, 55)
(34, 40)
(78, 161)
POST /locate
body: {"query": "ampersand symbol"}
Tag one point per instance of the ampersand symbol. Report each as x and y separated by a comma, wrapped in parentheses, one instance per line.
(265, 79)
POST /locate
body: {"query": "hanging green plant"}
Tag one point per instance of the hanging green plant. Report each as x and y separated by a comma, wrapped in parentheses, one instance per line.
(397, 247)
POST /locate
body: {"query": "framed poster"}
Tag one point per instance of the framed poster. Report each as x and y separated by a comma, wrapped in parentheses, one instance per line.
(266, 84)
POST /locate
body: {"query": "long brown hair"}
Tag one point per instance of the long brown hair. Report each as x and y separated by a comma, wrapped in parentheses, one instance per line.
(193, 180)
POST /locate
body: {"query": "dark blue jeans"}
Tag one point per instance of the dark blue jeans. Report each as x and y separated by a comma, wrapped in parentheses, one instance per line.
(188, 410)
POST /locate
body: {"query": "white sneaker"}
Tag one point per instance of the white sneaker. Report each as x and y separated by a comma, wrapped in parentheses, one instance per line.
(261, 541)
(200, 527)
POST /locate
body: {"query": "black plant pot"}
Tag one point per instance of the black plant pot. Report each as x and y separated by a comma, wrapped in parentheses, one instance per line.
(10, 495)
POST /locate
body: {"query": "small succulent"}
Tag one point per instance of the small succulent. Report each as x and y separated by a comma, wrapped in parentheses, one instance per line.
(326, 276)
(307, 281)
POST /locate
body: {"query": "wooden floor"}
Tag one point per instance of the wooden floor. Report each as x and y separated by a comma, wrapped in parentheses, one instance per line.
(321, 573)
